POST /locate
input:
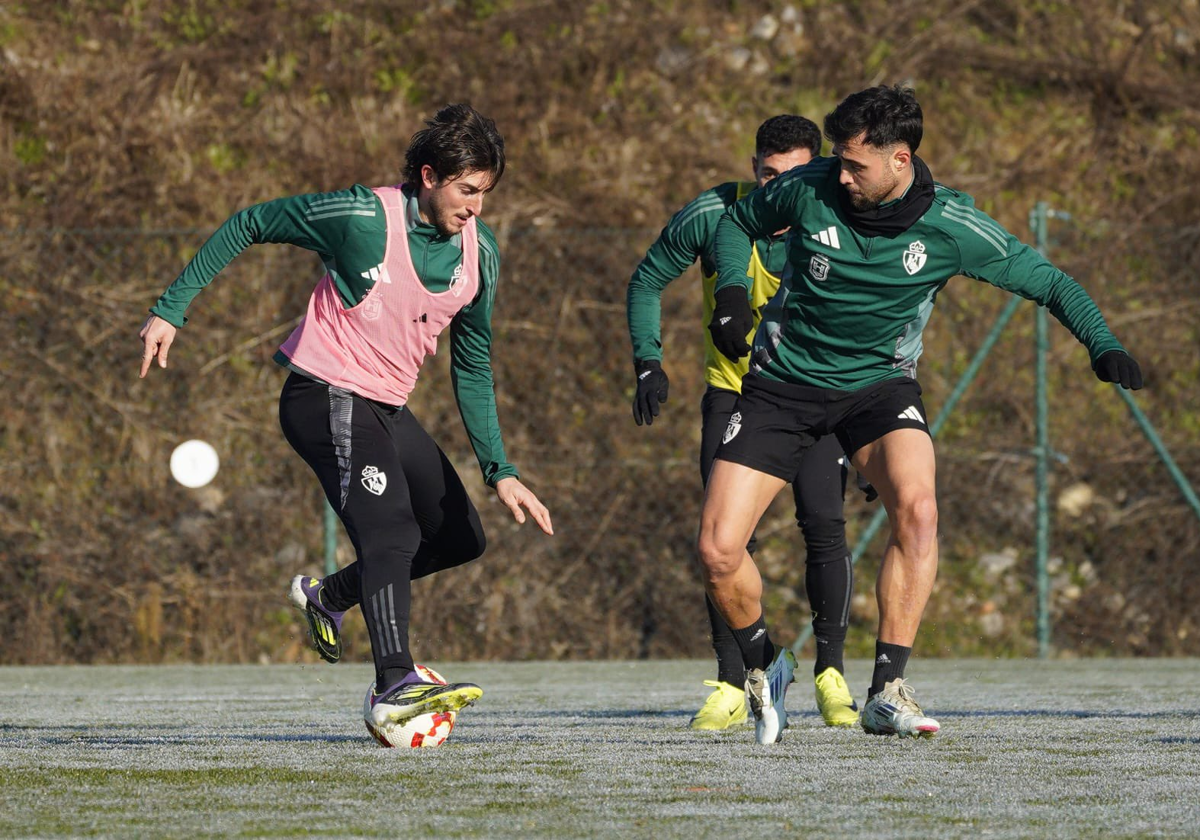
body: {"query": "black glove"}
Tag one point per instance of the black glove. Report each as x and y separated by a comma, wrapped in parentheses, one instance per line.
(652, 384)
(1118, 366)
(732, 320)
(866, 487)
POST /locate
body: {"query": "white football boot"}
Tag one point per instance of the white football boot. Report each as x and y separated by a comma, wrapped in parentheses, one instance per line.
(894, 711)
(765, 692)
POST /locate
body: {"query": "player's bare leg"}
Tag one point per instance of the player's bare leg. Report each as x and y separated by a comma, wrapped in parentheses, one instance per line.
(902, 467)
(735, 500)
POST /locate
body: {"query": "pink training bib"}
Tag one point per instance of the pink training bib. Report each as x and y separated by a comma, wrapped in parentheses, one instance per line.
(376, 348)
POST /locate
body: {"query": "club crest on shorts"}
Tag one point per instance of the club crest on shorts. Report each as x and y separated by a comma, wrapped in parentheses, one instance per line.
(914, 257)
(735, 426)
(374, 480)
(818, 267)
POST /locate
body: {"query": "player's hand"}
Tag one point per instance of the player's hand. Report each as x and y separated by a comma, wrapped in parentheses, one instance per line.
(866, 487)
(1118, 366)
(731, 321)
(156, 335)
(652, 385)
(516, 496)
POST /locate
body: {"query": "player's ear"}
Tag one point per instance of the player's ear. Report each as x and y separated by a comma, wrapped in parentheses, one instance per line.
(429, 178)
(901, 158)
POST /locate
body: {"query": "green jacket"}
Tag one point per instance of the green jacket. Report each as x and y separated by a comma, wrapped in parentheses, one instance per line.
(347, 229)
(850, 309)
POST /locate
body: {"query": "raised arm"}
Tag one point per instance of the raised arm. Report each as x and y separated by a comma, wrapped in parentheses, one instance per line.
(990, 253)
(760, 214)
(317, 222)
(687, 237)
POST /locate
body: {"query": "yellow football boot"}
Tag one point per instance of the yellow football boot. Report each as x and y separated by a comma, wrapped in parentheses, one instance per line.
(833, 699)
(724, 708)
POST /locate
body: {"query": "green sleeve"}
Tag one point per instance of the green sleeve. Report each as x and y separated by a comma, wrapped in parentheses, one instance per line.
(757, 216)
(471, 367)
(990, 253)
(687, 237)
(317, 222)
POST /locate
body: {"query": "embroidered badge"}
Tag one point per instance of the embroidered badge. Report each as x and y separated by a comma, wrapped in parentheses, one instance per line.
(818, 267)
(735, 426)
(374, 480)
(914, 257)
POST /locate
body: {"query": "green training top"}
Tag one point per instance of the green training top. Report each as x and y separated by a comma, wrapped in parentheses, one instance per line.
(850, 308)
(689, 236)
(347, 229)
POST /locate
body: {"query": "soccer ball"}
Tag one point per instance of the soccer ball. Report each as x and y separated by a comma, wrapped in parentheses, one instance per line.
(427, 730)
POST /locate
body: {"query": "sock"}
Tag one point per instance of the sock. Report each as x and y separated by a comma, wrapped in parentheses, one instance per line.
(390, 676)
(730, 668)
(340, 591)
(755, 644)
(889, 665)
(829, 587)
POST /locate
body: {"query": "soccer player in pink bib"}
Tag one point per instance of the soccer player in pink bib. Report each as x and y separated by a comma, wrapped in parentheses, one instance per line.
(402, 264)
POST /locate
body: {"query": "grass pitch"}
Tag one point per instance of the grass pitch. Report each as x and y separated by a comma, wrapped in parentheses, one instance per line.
(1028, 749)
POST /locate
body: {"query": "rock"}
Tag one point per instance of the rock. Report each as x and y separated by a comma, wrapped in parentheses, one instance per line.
(1076, 499)
(674, 59)
(737, 59)
(766, 28)
(996, 564)
(991, 624)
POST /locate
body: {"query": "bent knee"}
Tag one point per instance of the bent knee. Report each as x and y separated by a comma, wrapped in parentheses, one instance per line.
(917, 518)
(719, 558)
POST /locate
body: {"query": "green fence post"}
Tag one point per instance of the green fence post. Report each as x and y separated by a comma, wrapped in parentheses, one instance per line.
(331, 522)
(1151, 435)
(956, 394)
(1038, 221)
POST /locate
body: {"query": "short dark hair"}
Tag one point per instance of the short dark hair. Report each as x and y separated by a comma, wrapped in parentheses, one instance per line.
(786, 132)
(887, 116)
(458, 139)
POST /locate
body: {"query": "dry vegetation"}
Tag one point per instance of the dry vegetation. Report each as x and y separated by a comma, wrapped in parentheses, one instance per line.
(118, 118)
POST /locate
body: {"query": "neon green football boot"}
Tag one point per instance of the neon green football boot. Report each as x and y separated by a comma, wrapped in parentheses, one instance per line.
(724, 708)
(833, 699)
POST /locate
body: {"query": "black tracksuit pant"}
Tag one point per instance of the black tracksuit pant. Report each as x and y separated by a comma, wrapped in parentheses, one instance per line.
(404, 507)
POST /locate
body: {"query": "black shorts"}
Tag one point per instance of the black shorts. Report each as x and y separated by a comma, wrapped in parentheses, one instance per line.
(775, 423)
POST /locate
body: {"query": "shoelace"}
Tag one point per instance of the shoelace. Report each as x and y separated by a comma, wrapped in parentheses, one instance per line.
(909, 697)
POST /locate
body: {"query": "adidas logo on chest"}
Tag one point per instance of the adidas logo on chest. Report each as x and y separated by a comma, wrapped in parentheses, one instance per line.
(829, 237)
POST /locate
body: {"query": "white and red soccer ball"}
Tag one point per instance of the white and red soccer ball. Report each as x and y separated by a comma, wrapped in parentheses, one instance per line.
(427, 730)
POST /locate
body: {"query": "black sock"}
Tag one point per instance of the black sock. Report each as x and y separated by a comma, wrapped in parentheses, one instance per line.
(390, 677)
(829, 587)
(755, 644)
(889, 665)
(729, 656)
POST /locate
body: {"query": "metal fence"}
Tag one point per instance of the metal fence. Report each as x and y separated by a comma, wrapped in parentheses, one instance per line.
(86, 501)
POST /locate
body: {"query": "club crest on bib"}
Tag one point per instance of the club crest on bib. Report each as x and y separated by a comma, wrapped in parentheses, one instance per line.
(735, 426)
(372, 308)
(374, 480)
(818, 267)
(457, 280)
(914, 257)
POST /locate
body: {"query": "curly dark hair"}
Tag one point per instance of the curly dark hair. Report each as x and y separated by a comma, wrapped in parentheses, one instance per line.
(786, 132)
(887, 115)
(458, 139)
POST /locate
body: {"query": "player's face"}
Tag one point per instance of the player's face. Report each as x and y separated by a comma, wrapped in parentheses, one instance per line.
(448, 204)
(769, 167)
(870, 175)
